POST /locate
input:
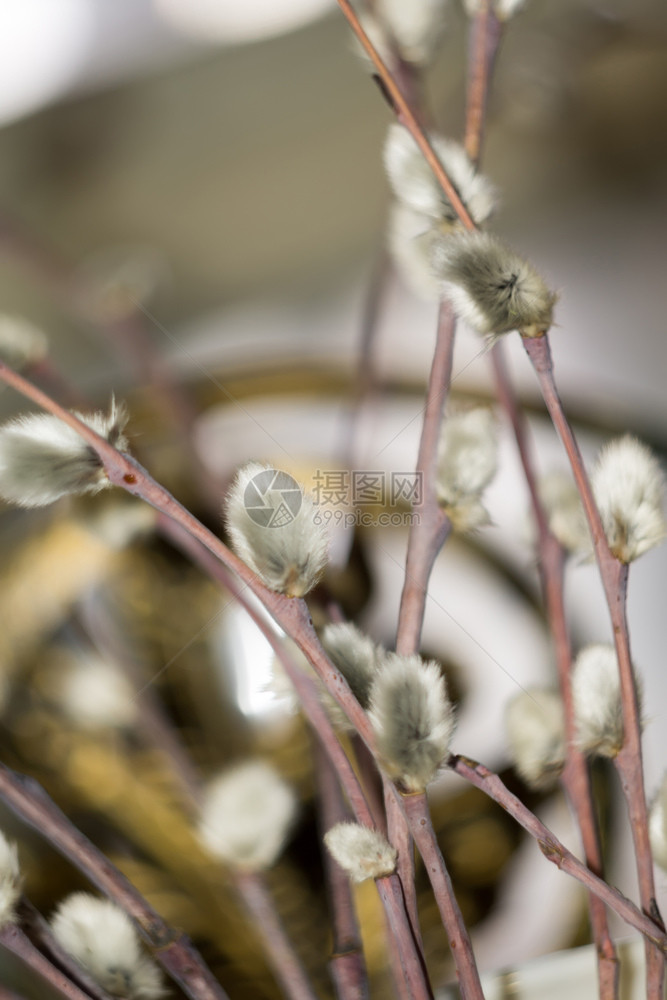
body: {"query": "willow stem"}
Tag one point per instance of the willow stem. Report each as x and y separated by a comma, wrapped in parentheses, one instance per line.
(347, 964)
(257, 900)
(483, 42)
(421, 827)
(15, 940)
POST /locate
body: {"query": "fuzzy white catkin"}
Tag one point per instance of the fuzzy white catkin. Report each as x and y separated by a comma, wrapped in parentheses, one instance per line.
(289, 557)
(467, 462)
(410, 237)
(491, 287)
(415, 25)
(102, 939)
(363, 853)
(21, 343)
(415, 185)
(503, 9)
(10, 881)
(247, 815)
(536, 735)
(657, 825)
(356, 656)
(95, 694)
(412, 718)
(564, 511)
(43, 459)
(629, 486)
(596, 695)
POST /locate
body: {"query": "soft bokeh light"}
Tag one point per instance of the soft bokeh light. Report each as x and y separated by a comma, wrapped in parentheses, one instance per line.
(238, 20)
(43, 45)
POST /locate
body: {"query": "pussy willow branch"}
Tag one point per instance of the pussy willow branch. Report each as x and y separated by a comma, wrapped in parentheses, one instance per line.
(347, 964)
(428, 535)
(16, 941)
(576, 777)
(171, 949)
(406, 115)
(554, 851)
(614, 577)
(631, 753)
(419, 821)
(294, 618)
(266, 923)
(483, 42)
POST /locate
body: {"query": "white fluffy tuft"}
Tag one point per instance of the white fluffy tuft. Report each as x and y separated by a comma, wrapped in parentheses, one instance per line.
(564, 511)
(247, 815)
(290, 557)
(102, 939)
(21, 343)
(43, 459)
(503, 9)
(491, 287)
(628, 484)
(596, 693)
(412, 717)
(410, 237)
(95, 694)
(536, 735)
(415, 25)
(415, 185)
(356, 656)
(467, 462)
(363, 853)
(657, 825)
(10, 881)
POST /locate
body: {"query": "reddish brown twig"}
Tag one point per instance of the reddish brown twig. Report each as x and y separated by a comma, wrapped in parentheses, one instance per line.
(406, 115)
(347, 964)
(419, 820)
(428, 534)
(483, 42)
(15, 940)
(257, 900)
(488, 782)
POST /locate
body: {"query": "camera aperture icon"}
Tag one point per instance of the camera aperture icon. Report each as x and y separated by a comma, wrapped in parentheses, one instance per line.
(272, 498)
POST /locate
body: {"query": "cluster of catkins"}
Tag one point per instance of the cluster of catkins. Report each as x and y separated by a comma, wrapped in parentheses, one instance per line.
(490, 287)
(95, 933)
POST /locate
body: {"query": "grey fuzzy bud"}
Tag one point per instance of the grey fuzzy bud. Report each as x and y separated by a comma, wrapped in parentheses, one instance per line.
(491, 287)
(413, 719)
(363, 853)
(596, 693)
(536, 735)
(356, 656)
(21, 343)
(289, 555)
(42, 458)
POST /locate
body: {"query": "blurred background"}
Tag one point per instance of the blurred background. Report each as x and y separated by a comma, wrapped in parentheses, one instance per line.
(192, 207)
